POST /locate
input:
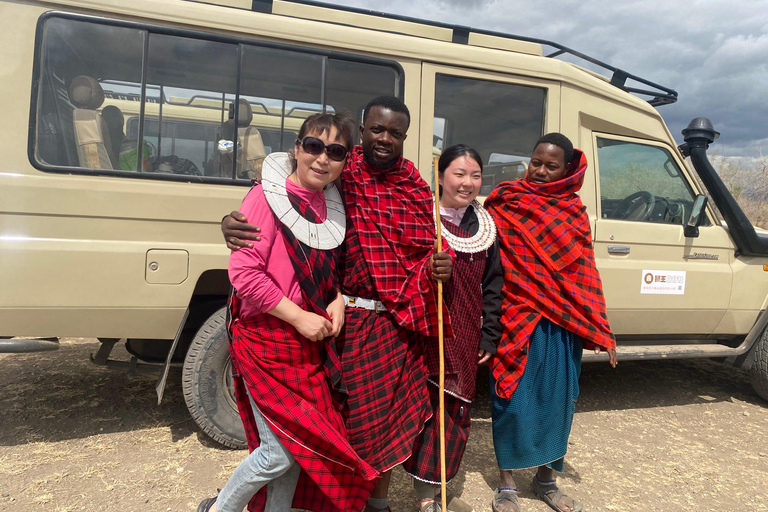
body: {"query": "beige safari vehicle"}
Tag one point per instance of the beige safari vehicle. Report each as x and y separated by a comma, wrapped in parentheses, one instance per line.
(130, 128)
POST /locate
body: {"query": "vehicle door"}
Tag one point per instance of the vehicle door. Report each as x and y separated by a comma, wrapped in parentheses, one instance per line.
(657, 282)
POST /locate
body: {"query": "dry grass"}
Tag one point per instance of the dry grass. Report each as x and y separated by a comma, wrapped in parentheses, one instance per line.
(747, 180)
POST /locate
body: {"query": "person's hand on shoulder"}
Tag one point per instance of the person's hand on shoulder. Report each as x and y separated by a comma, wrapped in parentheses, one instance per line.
(237, 231)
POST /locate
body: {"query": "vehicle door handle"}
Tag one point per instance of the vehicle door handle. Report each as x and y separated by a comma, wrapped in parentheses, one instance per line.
(618, 249)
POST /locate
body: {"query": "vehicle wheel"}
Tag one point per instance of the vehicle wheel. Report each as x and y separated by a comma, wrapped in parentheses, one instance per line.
(760, 366)
(207, 384)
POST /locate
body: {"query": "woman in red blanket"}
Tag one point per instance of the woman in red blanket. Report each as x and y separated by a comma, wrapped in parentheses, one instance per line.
(553, 308)
(473, 297)
(286, 310)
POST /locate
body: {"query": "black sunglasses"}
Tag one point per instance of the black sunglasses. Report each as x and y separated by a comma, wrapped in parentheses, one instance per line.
(315, 146)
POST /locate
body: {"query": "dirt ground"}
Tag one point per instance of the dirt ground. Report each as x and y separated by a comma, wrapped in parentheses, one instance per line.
(661, 436)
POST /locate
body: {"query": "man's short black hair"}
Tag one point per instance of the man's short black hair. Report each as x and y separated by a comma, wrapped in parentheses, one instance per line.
(559, 140)
(390, 103)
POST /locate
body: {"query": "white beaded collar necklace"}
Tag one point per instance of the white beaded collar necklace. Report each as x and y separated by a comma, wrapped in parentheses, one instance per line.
(325, 235)
(480, 241)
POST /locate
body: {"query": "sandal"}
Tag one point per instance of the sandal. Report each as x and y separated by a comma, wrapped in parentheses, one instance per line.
(504, 496)
(456, 504)
(544, 489)
(430, 506)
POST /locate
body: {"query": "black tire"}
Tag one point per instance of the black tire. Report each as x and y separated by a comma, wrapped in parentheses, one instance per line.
(207, 384)
(760, 366)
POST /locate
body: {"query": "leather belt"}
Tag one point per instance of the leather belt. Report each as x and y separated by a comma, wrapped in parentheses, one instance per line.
(370, 304)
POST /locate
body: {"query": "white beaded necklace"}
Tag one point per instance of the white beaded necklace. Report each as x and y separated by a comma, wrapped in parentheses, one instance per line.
(480, 241)
(328, 234)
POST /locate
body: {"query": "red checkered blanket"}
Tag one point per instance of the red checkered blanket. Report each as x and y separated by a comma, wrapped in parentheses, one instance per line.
(464, 299)
(283, 372)
(391, 210)
(549, 269)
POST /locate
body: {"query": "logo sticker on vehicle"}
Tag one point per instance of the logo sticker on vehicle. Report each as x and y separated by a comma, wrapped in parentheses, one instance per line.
(665, 282)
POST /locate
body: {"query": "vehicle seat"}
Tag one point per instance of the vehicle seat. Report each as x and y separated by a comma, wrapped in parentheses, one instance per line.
(94, 150)
(251, 153)
(115, 121)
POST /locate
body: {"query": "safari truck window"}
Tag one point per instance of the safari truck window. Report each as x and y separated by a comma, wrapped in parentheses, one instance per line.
(501, 120)
(98, 97)
(640, 182)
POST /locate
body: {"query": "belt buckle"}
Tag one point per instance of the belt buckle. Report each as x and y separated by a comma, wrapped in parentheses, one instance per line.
(351, 301)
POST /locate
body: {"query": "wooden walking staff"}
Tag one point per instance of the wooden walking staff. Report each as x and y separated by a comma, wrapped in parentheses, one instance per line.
(440, 341)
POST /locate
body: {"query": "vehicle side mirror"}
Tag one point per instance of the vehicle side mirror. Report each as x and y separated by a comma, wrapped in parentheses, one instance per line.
(698, 213)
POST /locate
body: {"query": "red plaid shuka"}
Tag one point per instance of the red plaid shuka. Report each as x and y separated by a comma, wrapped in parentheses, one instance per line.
(464, 299)
(390, 237)
(549, 269)
(425, 462)
(318, 281)
(391, 210)
(284, 373)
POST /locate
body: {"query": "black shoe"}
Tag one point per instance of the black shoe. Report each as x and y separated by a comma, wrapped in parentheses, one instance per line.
(206, 504)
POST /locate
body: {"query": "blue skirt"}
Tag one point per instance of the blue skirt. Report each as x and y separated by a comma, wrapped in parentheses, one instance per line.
(532, 428)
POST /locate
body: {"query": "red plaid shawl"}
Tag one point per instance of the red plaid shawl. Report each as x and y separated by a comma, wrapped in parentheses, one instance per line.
(283, 372)
(318, 280)
(391, 210)
(549, 269)
(464, 299)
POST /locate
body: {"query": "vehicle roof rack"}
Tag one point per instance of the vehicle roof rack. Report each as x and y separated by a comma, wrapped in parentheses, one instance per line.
(659, 95)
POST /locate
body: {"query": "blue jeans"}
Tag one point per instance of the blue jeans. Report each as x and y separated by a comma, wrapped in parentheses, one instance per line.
(270, 464)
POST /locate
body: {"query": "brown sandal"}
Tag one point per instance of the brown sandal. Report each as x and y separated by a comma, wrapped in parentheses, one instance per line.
(544, 489)
(504, 496)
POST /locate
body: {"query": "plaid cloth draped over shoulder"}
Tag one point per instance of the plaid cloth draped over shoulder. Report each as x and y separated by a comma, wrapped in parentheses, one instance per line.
(549, 269)
(318, 280)
(392, 211)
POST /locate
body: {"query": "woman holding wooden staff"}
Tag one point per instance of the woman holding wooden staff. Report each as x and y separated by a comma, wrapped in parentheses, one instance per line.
(473, 298)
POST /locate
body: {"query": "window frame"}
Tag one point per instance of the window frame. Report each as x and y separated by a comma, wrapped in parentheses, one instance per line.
(149, 28)
(685, 173)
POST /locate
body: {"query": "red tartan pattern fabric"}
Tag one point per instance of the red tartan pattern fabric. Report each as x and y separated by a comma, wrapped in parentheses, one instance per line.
(549, 269)
(464, 299)
(383, 372)
(318, 279)
(425, 462)
(392, 213)
(283, 372)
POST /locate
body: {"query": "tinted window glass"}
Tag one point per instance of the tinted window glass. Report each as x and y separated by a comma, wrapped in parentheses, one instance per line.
(94, 111)
(279, 89)
(351, 85)
(85, 68)
(190, 84)
(501, 121)
(643, 183)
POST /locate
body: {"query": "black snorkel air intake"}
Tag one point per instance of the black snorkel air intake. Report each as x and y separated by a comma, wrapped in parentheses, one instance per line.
(698, 136)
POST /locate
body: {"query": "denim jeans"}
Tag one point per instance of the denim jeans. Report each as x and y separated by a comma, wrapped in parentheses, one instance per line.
(270, 464)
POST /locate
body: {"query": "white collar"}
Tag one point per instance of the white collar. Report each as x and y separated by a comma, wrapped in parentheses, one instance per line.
(480, 241)
(325, 235)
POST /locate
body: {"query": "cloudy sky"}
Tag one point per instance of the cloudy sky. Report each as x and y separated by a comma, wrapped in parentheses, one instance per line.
(714, 53)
